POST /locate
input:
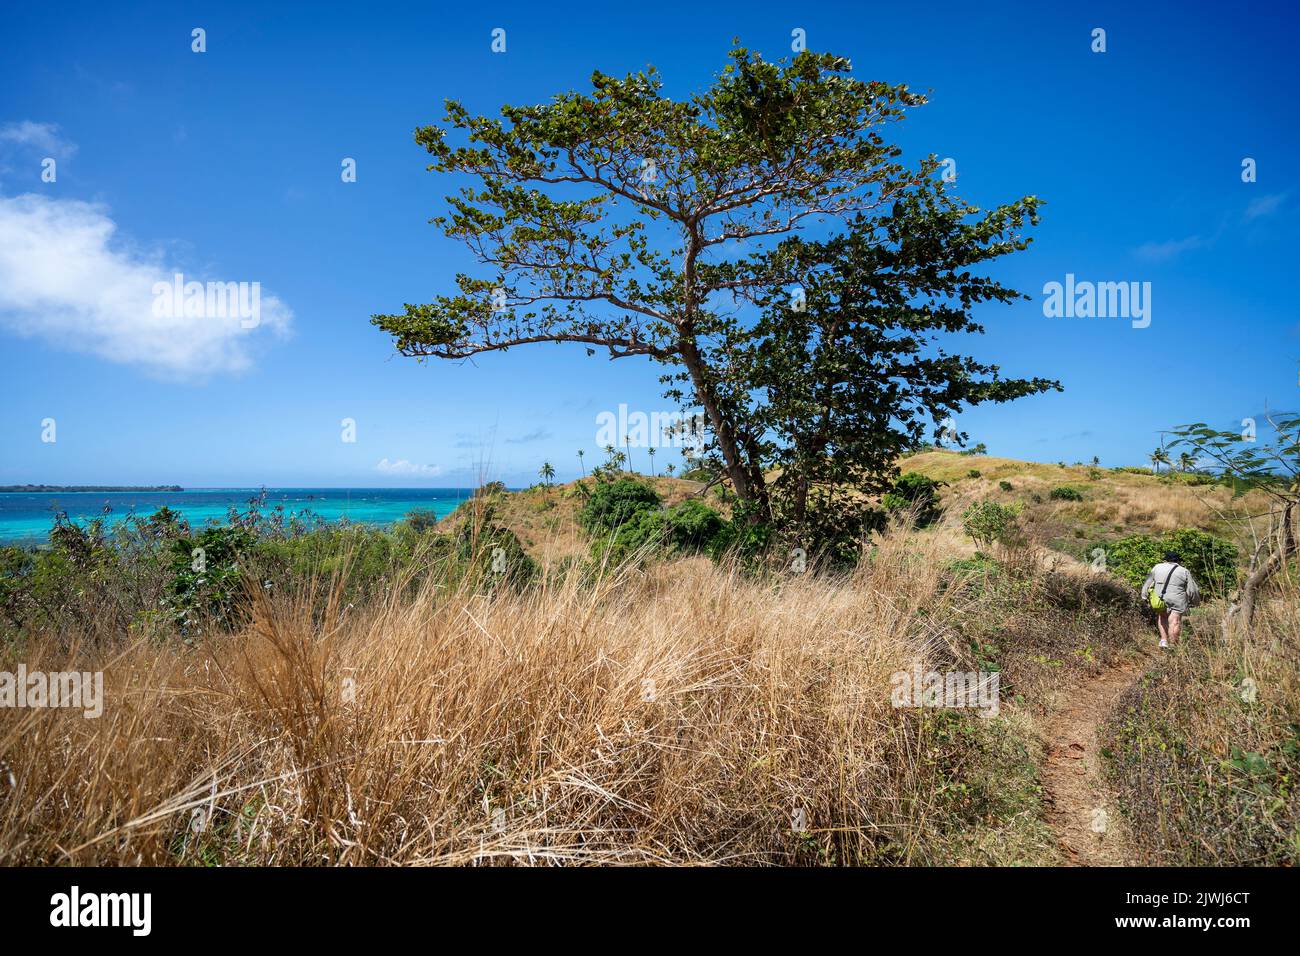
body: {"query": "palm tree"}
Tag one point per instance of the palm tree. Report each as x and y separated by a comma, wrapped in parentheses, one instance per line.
(669, 469)
(652, 461)
(627, 444)
(580, 463)
(547, 473)
(1159, 457)
(615, 459)
(1186, 462)
(1095, 461)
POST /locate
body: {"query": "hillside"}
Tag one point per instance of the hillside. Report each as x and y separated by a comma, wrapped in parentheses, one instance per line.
(386, 696)
(546, 518)
(1115, 503)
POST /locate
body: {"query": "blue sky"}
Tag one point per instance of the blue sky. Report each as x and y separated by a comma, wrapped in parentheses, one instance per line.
(226, 165)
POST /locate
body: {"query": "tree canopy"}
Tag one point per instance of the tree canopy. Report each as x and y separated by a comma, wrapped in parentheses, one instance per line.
(682, 231)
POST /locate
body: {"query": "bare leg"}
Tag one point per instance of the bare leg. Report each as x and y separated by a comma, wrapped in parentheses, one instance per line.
(1162, 622)
(1175, 627)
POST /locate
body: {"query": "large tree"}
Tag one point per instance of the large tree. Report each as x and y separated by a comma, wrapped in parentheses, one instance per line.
(836, 387)
(626, 220)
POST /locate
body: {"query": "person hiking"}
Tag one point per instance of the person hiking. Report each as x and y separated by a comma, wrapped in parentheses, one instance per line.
(1170, 591)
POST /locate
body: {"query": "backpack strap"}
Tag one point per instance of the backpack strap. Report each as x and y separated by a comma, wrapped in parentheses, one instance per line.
(1167, 580)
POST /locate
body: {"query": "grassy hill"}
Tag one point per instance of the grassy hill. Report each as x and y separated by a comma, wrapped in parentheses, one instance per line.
(383, 697)
(545, 519)
(1115, 503)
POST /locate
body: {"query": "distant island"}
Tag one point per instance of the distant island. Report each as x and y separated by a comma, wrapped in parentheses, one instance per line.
(45, 489)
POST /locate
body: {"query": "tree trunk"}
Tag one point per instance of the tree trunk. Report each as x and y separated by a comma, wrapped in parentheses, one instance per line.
(734, 465)
(1244, 607)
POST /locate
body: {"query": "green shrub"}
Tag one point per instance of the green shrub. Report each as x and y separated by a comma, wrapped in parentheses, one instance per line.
(979, 563)
(422, 519)
(973, 473)
(914, 491)
(616, 503)
(745, 538)
(1066, 493)
(1188, 478)
(1212, 561)
(493, 555)
(207, 575)
(1004, 485)
(988, 522)
(363, 560)
(690, 526)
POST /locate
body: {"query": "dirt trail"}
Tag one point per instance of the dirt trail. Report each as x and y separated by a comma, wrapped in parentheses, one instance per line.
(1080, 808)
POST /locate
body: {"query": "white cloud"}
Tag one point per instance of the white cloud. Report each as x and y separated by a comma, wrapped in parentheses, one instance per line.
(42, 137)
(1171, 249)
(65, 280)
(1265, 205)
(403, 467)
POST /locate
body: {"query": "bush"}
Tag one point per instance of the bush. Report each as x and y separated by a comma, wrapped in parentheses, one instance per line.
(494, 553)
(422, 519)
(978, 563)
(1188, 478)
(207, 576)
(1212, 561)
(614, 504)
(915, 492)
(973, 473)
(743, 537)
(988, 522)
(1004, 485)
(690, 526)
(146, 575)
(830, 528)
(1066, 493)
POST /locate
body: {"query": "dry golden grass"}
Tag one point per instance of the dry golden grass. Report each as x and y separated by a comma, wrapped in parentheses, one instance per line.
(677, 714)
(681, 714)
(1115, 503)
(546, 519)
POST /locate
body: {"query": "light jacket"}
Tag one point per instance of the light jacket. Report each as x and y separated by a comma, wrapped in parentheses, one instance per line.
(1182, 592)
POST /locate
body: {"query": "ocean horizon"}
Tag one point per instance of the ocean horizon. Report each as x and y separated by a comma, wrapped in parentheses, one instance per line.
(27, 517)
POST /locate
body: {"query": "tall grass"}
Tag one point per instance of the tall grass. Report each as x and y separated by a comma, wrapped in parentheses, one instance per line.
(684, 713)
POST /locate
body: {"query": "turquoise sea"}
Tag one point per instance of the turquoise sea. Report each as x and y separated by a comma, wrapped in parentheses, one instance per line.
(26, 518)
